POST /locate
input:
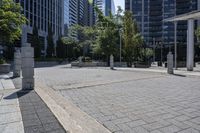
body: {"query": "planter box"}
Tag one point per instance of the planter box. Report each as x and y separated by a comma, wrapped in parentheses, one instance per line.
(141, 65)
(4, 68)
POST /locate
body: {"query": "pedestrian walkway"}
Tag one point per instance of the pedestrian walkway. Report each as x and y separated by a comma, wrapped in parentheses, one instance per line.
(180, 71)
(24, 111)
(10, 114)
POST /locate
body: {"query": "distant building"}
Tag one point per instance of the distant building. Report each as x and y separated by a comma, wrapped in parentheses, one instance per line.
(150, 14)
(106, 6)
(42, 14)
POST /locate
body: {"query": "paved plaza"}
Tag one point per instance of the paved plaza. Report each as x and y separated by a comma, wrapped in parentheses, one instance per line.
(129, 101)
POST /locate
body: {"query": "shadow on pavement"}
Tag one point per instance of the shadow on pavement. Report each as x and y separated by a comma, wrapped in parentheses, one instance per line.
(17, 94)
(179, 75)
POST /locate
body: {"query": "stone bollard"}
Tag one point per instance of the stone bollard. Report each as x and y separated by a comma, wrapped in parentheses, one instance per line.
(17, 64)
(27, 67)
(111, 62)
(170, 63)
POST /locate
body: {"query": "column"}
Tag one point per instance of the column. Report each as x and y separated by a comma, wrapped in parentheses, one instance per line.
(190, 45)
(175, 45)
(170, 63)
(17, 64)
(27, 67)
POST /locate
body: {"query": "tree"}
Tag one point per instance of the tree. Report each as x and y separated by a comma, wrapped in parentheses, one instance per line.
(60, 49)
(197, 32)
(73, 49)
(107, 38)
(11, 20)
(50, 46)
(132, 38)
(86, 36)
(36, 43)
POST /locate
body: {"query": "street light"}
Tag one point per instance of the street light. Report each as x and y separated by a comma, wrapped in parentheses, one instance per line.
(120, 47)
(154, 49)
(175, 44)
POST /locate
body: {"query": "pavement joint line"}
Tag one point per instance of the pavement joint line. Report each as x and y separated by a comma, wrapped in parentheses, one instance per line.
(106, 83)
(70, 117)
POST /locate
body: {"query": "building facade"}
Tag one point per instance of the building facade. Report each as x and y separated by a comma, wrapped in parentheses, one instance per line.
(106, 6)
(42, 14)
(150, 14)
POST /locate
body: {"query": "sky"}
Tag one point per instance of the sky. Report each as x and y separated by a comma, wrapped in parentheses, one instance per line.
(119, 3)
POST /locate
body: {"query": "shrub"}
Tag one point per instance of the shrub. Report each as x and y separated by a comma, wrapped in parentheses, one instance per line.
(2, 61)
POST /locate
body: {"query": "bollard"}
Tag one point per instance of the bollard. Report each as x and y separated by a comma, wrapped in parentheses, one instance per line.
(170, 63)
(17, 64)
(27, 67)
(111, 62)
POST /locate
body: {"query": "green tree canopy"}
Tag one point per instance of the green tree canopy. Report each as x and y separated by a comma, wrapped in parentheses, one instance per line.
(50, 44)
(107, 38)
(11, 20)
(132, 39)
(36, 42)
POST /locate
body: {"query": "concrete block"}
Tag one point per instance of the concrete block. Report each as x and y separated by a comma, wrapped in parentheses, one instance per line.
(111, 62)
(27, 72)
(27, 52)
(27, 83)
(170, 63)
(27, 62)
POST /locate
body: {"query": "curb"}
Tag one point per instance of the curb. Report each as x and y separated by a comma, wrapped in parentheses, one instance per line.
(70, 117)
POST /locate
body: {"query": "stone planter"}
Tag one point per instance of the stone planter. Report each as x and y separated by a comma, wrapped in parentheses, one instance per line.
(141, 65)
(4, 68)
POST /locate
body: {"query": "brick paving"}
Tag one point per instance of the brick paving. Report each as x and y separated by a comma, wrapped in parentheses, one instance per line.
(162, 104)
(36, 116)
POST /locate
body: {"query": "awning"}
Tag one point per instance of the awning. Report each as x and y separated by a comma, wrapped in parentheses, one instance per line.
(186, 16)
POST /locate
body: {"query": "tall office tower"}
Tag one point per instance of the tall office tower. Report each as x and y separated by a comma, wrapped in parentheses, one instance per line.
(42, 14)
(66, 17)
(184, 6)
(141, 14)
(106, 6)
(150, 14)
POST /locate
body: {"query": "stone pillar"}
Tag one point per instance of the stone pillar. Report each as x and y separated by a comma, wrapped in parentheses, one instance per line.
(27, 67)
(170, 63)
(190, 45)
(17, 64)
(111, 62)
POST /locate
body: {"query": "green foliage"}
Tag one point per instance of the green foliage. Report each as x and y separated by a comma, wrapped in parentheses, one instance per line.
(11, 21)
(86, 37)
(50, 46)
(107, 38)
(73, 49)
(36, 43)
(132, 39)
(197, 32)
(2, 61)
(145, 54)
(60, 49)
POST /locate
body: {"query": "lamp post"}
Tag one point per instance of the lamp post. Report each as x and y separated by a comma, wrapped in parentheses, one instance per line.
(175, 44)
(120, 47)
(154, 49)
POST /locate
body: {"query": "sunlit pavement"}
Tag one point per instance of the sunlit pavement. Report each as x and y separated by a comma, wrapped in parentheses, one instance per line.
(129, 101)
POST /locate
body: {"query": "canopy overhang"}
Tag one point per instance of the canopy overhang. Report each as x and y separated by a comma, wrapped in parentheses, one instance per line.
(187, 16)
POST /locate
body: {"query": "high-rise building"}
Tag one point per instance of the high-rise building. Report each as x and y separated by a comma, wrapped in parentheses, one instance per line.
(42, 14)
(106, 6)
(150, 14)
(141, 14)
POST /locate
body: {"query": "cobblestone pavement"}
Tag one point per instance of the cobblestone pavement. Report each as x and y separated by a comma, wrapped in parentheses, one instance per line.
(10, 115)
(36, 116)
(139, 104)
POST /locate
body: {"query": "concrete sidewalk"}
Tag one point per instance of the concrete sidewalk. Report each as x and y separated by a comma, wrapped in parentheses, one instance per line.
(23, 111)
(10, 114)
(180, 71)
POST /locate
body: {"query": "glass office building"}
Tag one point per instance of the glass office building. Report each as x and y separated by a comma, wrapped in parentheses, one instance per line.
(42, 14)
(106, 6)
(150, 14)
